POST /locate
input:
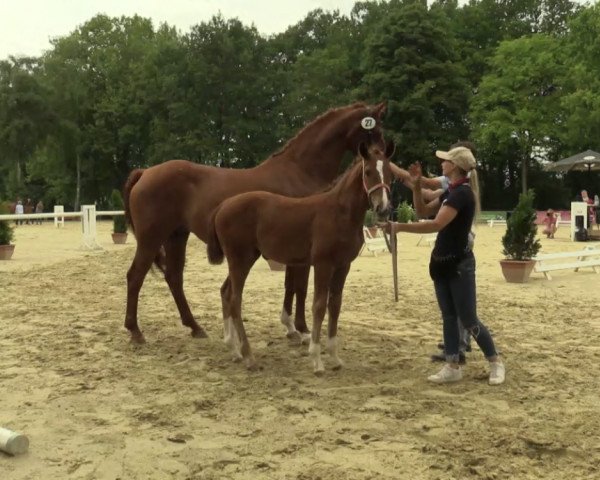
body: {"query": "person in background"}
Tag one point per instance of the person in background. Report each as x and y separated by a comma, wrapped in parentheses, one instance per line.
(550, 222)
(39, 208)
(452, 264)
(19, 210)
(591, 211)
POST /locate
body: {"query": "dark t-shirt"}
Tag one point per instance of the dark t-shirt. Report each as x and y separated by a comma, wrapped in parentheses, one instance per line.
(453, 238)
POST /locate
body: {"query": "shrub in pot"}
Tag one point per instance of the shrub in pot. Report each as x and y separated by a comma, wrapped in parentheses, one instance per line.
(119, 223)
(6, 237)
(520, 241)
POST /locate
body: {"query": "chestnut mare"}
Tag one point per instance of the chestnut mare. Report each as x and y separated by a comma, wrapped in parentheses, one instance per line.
(166, 202)
(324, 230)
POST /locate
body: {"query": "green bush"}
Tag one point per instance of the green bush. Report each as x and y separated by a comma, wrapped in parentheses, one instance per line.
(519, 241)
(6, 230)
(406, 213)
(116, 203)
(370, 219)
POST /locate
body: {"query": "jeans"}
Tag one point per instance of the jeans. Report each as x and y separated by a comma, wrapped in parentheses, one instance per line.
(456, 296)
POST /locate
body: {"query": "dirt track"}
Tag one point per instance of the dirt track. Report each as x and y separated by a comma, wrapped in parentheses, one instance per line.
(96, 407)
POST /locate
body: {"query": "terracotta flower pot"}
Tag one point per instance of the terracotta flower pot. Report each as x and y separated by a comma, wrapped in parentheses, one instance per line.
(517, 271)
(6, 252)
(119, 237)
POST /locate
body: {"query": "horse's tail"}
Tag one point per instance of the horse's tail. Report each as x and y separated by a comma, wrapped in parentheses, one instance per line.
(132, 179)
(160, 259)
(213, 246)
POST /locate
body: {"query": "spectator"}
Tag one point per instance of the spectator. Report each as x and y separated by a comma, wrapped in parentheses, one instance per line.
(550, 222)
(19, 210)
(39, 208)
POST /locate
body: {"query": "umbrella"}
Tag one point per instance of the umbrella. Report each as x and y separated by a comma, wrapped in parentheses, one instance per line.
(582, 162)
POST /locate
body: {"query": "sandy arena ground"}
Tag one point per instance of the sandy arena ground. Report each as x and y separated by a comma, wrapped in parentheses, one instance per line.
(96, 407)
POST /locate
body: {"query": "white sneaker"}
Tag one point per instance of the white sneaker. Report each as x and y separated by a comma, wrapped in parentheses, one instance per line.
(497, 373)
(446, 375)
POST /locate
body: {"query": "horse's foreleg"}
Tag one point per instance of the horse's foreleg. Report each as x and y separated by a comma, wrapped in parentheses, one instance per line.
(296, 283)
(334, 306)
(135, 278)
(175, 248)
(300, 289)
(288, 301)
(322, 280)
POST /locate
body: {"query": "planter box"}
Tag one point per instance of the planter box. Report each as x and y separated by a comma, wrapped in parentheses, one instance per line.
(6, 252)
(517, 271)
(119, 237)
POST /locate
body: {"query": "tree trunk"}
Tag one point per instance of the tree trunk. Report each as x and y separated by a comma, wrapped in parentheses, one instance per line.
(78, 184)
(524, 175)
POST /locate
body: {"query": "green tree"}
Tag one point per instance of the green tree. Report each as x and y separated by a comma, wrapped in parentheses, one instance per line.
(411, 59)
(517, 107)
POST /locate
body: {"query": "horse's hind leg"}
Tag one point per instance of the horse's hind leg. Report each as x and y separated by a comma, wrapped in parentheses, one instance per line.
(323, 275)
(334, 306)
(175, 248)
(142, 261)
(230, 337)
(238, 273)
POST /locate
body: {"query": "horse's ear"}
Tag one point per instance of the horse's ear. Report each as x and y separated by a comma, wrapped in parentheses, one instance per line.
(390, 148)
(363, 150)
(380, 110)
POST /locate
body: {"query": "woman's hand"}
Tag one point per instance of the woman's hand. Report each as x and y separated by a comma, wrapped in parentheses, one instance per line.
(415, 174)
(390, 227)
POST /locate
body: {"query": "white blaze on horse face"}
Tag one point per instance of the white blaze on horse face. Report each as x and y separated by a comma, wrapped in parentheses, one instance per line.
(384, 194)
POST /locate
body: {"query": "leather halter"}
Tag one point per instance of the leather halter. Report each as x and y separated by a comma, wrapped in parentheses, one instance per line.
(368, 191)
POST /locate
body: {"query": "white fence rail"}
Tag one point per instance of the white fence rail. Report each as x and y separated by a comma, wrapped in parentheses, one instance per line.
(88, 216)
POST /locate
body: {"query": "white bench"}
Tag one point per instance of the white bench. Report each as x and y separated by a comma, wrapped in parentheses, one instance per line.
(493, 222)
(588, 257)
(428, 238)
(375, 243)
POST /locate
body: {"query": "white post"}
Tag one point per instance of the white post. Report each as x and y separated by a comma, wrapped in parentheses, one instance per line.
(13, 442)
(59, 221)
(578, 209)
(88, 225)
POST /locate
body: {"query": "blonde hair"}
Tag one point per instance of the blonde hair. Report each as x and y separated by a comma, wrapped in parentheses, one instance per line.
(474, 182)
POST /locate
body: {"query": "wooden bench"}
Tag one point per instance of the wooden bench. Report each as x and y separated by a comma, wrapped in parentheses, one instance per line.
(588, 257)
(372, 243)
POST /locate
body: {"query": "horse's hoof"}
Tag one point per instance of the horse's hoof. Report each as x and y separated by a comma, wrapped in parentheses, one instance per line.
(137, 338)
(319, 373)
(199, 333)
(294, 337)
(252, 366)
(305, 338)
(337, 367)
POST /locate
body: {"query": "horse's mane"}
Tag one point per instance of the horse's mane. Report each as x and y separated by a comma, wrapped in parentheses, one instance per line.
(317, 121)
(337, 180)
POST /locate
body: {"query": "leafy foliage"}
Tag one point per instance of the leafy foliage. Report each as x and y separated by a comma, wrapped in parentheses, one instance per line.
(116, 203)
(370, 218)
(6, 229)
(405, 213)
(519, 241)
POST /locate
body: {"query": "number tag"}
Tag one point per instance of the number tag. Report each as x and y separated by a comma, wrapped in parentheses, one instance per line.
(368, 123)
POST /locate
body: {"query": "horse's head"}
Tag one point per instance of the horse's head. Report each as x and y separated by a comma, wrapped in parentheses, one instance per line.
(377, 176)
(366, 126)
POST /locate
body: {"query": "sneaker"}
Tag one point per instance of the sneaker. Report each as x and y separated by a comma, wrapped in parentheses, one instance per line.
(497, 373)
(446, 375)
(440, 357)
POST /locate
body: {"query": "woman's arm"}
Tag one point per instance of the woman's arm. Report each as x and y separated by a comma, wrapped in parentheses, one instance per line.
(443, 218)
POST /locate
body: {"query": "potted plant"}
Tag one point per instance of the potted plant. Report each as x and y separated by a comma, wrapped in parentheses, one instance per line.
(370, 222)
(519, 241)
(405, 213)
(6, 236)
(119, 223)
